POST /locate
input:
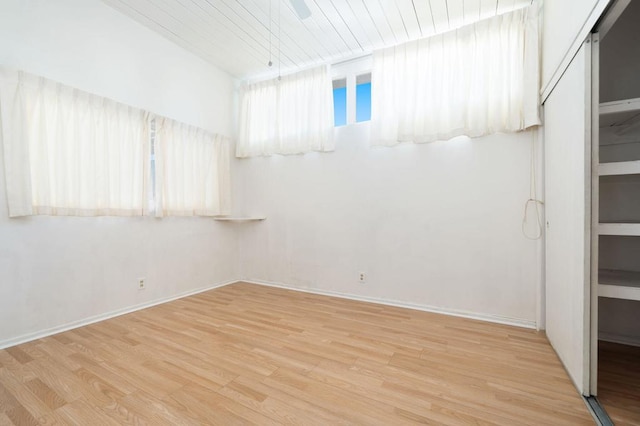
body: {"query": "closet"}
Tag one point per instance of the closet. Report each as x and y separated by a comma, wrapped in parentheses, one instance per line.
(616, 216)
(592, 201)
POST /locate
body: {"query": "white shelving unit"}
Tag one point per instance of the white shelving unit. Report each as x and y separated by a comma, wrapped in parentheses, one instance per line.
(619, 168)
(619, 154)
(619, 284)
(622, 229)
(621, 106)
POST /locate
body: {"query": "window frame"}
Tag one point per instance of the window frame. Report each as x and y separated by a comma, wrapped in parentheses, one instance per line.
(350, 70)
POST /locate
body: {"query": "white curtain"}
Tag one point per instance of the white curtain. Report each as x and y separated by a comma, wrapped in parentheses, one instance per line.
(192, 171)
(293, 115)
(474, 81)
(67, 152)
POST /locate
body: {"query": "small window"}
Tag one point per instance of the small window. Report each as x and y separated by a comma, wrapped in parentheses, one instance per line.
(340, 102)
(363, 97)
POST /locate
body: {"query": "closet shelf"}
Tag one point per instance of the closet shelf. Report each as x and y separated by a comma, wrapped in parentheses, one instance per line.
(619, 292)
(619, 284)
(623, 105)
(620, 168)
(623, 229)
(240, 218)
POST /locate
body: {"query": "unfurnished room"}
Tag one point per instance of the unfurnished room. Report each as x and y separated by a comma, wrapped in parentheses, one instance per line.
(319, 212)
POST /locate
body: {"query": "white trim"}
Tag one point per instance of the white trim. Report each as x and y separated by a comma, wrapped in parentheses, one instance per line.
(612, 16)
(541, 308)
(594, 148)
(591, 21)
(623, 105)
(498, 319)
(619, 292)
(619, 338)
(101, 317)
(591, 105)
(623, 229)
(620, 168)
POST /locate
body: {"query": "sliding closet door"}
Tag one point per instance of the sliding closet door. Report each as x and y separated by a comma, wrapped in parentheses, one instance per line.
(567, 142)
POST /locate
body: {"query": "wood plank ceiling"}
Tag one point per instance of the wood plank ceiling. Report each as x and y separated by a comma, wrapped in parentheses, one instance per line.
(238, 35)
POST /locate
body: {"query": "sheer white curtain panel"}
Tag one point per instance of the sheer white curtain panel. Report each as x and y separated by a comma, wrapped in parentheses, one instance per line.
(293, 115)
(192, 171)
(68, 152)
(477, 80)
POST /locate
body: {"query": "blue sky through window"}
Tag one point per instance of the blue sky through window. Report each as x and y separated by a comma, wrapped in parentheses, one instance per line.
(363, 102)
(340, 106)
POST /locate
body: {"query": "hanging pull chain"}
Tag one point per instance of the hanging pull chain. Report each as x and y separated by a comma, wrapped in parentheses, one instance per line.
(270, 63)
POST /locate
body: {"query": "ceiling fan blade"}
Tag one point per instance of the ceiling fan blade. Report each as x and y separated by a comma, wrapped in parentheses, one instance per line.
(301, 8)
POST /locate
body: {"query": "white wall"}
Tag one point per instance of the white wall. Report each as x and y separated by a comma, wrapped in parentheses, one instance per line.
(60, 270)
(90, 46)
(566, 23)
(436, 225)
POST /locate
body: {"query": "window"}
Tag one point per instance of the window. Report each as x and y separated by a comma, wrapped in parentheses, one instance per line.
(352, 92)
(192, 174)
(363, 97)
(473, 81)
(291, 115)
(72, 153)
(340, 102)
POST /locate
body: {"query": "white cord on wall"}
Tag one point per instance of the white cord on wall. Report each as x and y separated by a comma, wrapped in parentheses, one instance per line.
(532, 199)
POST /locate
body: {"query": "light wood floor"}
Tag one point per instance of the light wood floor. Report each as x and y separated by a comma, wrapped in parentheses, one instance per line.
(619, 382)
(249, 354)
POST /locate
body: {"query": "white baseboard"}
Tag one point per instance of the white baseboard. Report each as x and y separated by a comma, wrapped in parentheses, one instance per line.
(426, 308)
(453, 312)
(620, 338)
(101, 317)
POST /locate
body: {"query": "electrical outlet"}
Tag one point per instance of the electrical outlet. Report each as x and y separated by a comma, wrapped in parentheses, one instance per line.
(141, 284)
(362, 277)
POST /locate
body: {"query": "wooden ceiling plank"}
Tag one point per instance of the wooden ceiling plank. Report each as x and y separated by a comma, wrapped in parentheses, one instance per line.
(472, 11)
(409, 14)
(315, 33)
(396, 21)
(354, 23)
(206, 25)
(235, 36)
(216, 11)
(232, 67)
(363, 17)
(425, 18)
(440, 12)
(488, 8)
(378, 17)
(456, 13)
(295, 43)
(172, 15)
(503, 6)
(330, 21)
(305, 50)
